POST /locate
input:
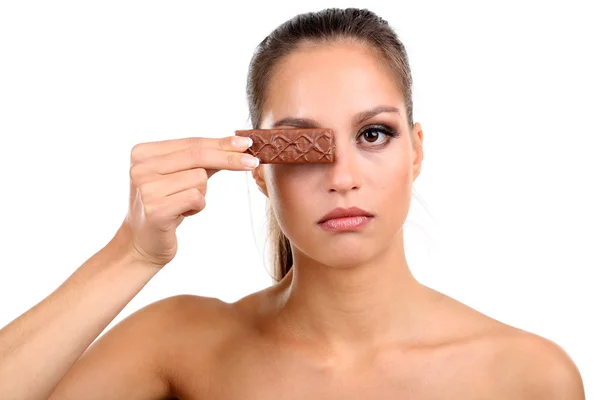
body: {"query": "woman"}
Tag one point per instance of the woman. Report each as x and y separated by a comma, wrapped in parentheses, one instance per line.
(345, 319)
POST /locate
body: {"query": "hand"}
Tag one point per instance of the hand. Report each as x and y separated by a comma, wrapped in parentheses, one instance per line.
(168, 183)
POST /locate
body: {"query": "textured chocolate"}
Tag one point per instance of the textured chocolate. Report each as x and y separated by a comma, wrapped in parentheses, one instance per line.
(291, 146)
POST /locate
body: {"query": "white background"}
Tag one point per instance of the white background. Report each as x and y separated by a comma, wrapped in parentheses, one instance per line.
(507, 95)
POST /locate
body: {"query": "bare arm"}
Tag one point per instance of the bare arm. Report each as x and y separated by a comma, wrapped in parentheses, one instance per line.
(168, 183)
(38, 348)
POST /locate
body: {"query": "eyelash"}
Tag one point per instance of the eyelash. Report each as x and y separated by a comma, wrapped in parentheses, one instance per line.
(386, 130)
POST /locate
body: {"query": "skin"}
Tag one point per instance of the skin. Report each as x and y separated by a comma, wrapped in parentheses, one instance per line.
(349, 321)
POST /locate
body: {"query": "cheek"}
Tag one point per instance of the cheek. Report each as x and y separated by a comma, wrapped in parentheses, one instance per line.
(288, 185)
(397, 174)
(392, 190)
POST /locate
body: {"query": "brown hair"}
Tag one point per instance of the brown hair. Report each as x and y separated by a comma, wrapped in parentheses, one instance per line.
(326, 26)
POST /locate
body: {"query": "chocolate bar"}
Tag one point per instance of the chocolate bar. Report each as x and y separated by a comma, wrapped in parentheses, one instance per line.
(291, 146)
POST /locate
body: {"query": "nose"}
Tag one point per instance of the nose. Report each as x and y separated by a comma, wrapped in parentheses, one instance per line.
(343, 174)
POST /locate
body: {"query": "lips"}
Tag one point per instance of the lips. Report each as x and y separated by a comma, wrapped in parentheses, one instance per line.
(340, 212)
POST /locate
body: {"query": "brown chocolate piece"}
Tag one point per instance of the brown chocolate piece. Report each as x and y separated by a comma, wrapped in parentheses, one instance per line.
(291, 146)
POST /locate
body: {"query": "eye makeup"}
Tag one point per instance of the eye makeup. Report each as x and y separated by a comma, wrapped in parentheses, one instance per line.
(380, 129)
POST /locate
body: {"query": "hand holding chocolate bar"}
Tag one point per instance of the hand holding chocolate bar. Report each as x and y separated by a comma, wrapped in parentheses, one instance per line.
(169, 182)
(291, 146)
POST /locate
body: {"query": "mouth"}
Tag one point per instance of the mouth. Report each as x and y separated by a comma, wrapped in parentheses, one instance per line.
(345, 219)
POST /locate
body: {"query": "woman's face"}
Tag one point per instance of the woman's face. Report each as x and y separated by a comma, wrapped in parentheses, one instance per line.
(331, 85)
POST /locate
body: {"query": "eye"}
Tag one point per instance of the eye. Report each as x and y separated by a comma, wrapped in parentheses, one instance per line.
(378, 136)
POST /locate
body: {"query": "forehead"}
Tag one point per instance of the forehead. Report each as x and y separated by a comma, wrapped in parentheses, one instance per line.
(328, 80)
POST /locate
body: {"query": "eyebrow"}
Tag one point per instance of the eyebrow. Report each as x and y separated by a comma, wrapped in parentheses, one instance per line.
(311, 123)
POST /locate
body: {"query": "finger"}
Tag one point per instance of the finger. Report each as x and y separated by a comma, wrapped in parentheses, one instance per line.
(177, 182)
(143, 151)
(200, 157)
(164, 212)
(190, 213)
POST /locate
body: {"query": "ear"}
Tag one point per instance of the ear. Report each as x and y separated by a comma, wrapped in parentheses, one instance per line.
(258, 174)
(417, 136)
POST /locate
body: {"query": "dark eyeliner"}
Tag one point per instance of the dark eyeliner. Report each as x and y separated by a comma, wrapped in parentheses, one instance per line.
(382, 128)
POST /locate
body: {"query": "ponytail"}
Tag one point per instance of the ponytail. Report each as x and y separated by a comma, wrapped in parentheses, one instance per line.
(280, 248)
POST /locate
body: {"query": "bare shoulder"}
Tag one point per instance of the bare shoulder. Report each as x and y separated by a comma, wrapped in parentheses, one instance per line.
(199, 317)
(190, 332)
(527, 366)
(176, 315)
(189, 308)
(517, 364)
(140, 355)
(512, 362)
(164, 325)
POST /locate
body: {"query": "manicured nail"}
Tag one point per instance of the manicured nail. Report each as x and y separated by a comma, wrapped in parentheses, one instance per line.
(242, 141)
(250, 161)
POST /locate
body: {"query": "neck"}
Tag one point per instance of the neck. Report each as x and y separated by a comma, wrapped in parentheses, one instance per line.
(375, 301)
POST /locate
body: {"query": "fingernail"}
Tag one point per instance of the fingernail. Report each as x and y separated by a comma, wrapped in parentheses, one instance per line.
(242, 141)
(250, 161)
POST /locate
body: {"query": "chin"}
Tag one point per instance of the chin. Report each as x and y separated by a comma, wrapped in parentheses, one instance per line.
(345, 250)
(347, 257)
